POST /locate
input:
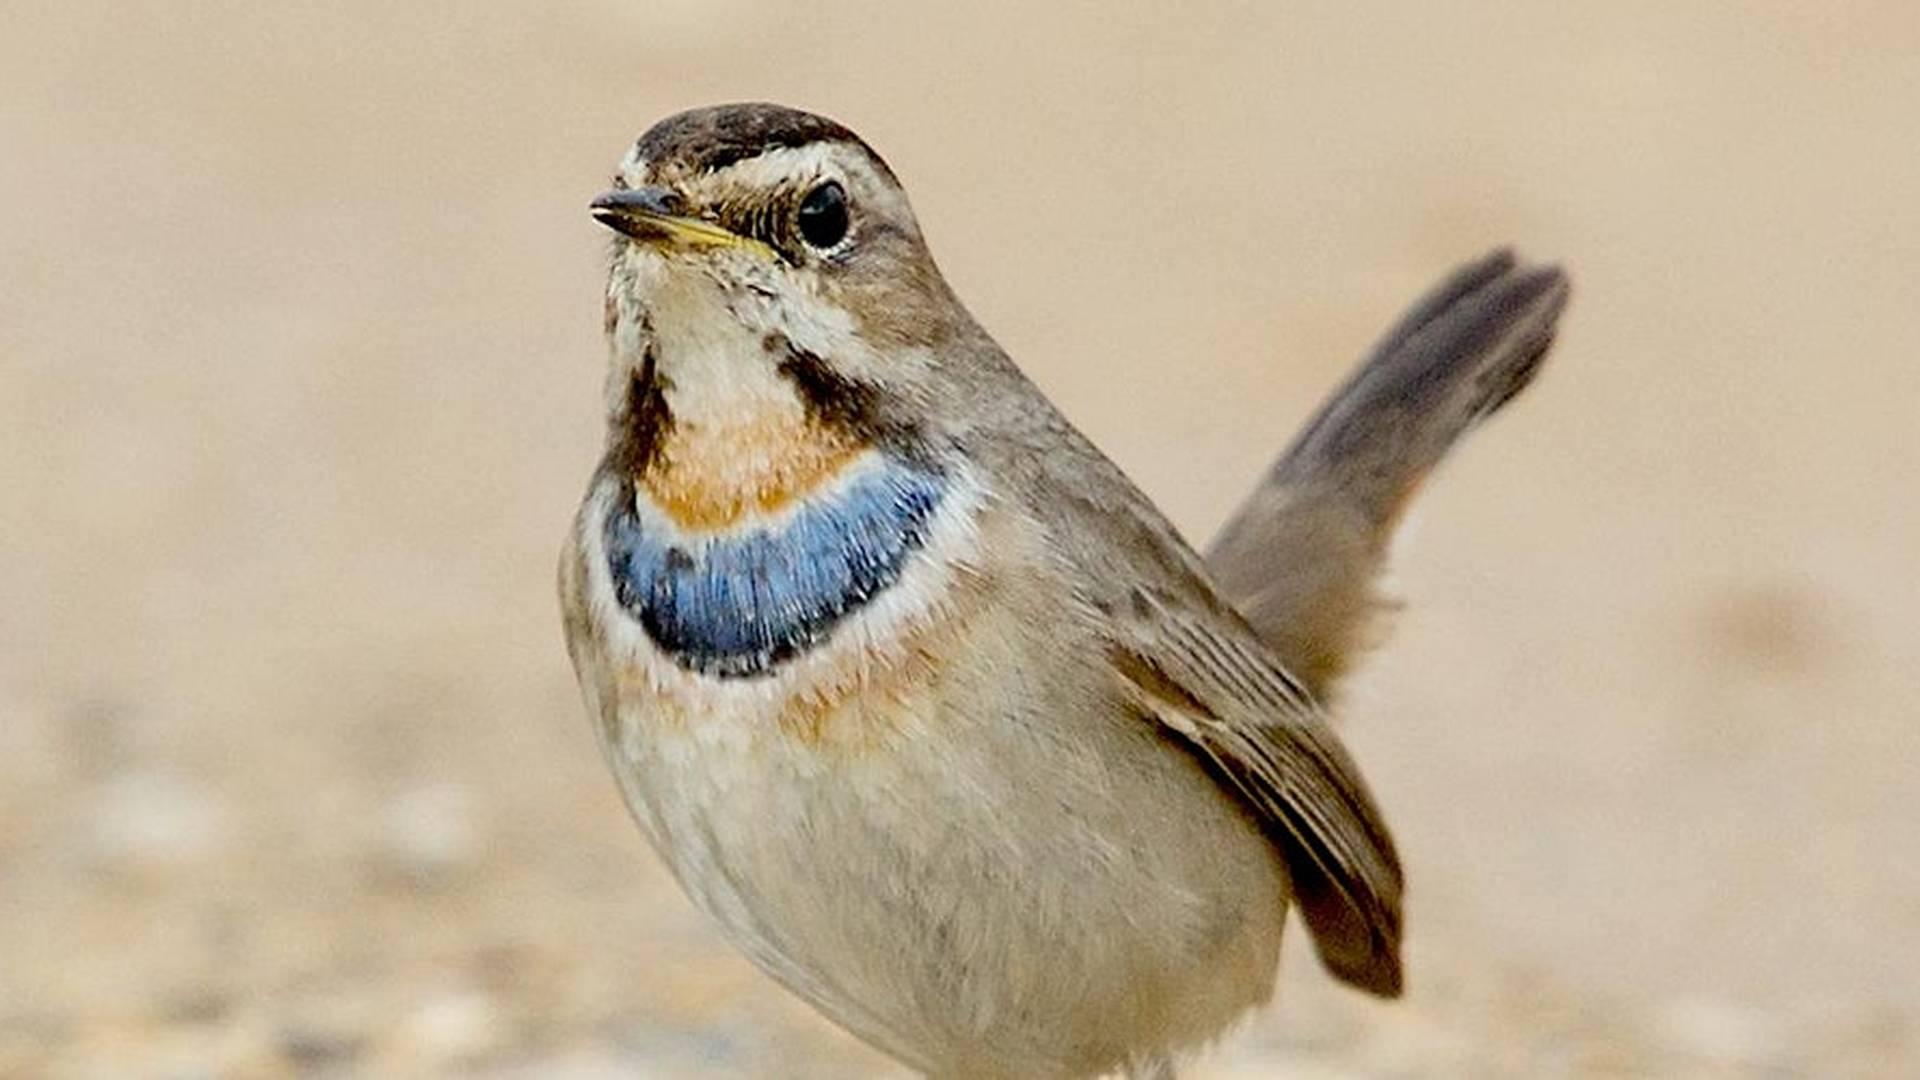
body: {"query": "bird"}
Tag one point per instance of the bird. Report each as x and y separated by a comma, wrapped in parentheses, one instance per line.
(914, 692)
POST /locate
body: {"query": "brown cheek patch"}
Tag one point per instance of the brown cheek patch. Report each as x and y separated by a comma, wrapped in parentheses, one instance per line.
(709, 478)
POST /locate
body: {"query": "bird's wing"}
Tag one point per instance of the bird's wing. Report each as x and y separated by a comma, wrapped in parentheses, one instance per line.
(1198, 669)
(1210, 682)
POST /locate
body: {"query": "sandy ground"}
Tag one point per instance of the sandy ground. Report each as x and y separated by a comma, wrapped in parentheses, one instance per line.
(299, 383)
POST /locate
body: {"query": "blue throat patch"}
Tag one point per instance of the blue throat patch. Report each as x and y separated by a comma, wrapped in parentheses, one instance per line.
(738, 605)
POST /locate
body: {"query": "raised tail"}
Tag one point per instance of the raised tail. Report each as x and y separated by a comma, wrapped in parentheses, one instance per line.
(1300, 556)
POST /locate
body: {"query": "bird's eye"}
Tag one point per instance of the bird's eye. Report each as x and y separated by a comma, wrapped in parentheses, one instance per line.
(823, 215)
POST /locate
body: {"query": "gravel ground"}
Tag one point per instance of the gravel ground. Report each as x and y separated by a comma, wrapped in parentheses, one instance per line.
(299, 380)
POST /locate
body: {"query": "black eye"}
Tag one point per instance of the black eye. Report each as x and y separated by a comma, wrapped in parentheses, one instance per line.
(823, 215)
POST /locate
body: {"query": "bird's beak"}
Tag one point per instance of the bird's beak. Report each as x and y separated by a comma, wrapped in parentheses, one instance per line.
(650, 215)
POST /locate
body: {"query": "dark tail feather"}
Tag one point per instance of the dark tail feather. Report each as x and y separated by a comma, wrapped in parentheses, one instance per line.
(1300, 555)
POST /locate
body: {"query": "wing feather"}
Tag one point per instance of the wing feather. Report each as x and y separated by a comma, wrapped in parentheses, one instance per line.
(1258, 732)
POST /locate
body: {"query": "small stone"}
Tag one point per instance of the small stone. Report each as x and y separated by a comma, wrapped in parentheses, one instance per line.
(1720, 1032)
(431, 831)
(154, 817)
(462, 1026)
(313, 1050)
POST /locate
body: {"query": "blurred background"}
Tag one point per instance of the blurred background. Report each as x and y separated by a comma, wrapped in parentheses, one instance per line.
(300, 382)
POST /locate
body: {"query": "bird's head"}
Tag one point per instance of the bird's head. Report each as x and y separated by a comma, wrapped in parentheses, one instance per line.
(762, 224)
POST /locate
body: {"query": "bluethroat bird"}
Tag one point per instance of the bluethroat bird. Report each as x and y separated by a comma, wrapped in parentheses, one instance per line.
(915, 693)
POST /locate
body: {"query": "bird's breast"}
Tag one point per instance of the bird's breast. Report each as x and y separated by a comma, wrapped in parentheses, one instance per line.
(735, 563)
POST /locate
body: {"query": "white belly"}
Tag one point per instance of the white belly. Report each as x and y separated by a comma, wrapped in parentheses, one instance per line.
(931, 828)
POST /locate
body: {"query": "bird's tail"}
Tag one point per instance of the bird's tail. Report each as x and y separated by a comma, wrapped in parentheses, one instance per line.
(1300, 556)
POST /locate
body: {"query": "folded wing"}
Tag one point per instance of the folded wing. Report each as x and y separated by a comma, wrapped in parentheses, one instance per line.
(1217, 689)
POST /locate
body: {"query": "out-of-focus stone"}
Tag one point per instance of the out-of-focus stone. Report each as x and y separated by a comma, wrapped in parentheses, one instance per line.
(154, 817)
(431, 832)
(457, 1027)
(1715, 1031)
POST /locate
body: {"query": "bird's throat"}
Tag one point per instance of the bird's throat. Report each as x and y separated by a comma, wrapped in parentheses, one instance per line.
(715, 476)
(752, 514)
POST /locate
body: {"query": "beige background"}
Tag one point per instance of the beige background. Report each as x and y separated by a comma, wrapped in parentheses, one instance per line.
(299, 382)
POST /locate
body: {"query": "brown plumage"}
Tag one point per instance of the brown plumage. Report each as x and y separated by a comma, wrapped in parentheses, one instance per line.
(1300, 556)
(962, 743)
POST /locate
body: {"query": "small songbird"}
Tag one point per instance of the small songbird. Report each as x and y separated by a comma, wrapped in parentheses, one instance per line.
(915, 693)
